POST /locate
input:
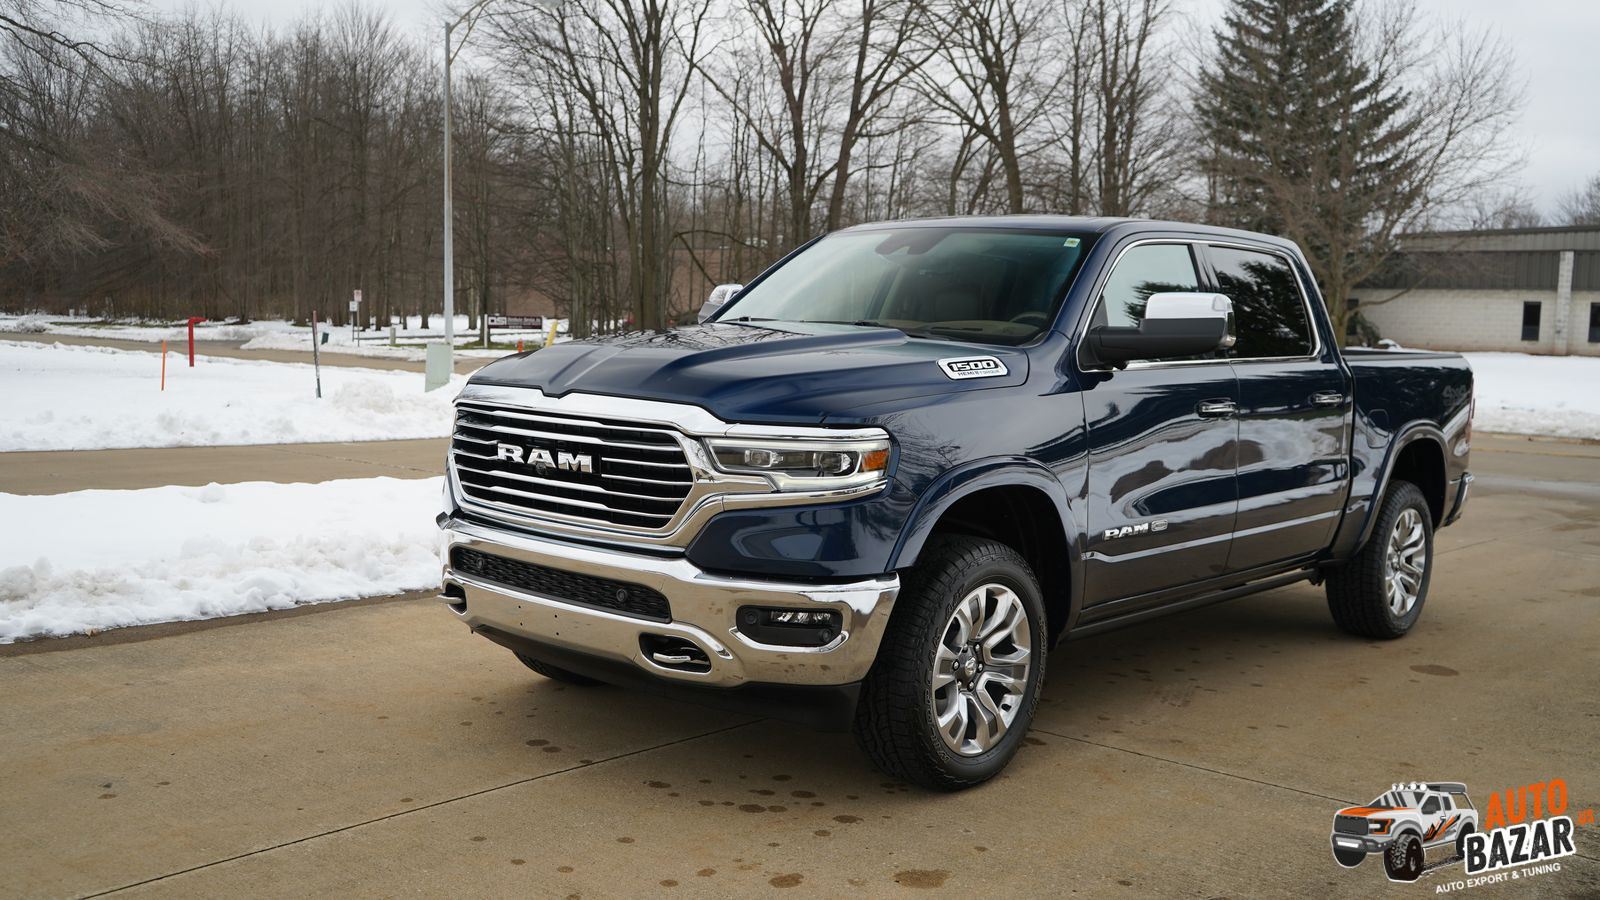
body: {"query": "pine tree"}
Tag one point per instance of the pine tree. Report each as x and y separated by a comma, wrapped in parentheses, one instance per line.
(1309, 140)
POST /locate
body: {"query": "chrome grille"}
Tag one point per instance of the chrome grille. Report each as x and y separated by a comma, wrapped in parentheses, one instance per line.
(639, 477)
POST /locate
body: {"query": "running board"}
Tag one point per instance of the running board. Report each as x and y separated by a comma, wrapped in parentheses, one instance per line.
(1151, 612)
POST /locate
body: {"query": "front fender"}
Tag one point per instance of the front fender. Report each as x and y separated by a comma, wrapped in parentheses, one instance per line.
(1008, 471)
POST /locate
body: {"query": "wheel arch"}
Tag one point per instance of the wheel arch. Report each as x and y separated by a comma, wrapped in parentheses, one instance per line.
(1017, 502)
(1417, 456)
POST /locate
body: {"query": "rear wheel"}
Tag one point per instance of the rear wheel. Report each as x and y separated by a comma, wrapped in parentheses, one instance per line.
(1461, 840)
(556, 673)
(1379, 593)
(957, 678)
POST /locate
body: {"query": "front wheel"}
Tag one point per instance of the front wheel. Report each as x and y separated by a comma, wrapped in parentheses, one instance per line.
(1403, 860)
(957, 677)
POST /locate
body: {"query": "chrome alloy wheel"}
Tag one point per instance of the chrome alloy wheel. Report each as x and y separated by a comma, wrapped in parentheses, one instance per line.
(1405, 562)
(980, 669)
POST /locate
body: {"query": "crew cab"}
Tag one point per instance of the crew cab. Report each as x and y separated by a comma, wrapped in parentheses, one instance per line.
(878, 483)
(1404, 823)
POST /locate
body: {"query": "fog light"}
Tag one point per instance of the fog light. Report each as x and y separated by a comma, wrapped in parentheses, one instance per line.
(796, 617)
(790, 627)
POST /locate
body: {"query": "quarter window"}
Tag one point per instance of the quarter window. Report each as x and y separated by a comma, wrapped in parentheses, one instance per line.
(1268, 310)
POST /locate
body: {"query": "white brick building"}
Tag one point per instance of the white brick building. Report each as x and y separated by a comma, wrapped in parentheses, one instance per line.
(1527, 290)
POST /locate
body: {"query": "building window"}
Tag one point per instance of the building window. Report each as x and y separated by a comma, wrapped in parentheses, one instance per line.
(1594, 323)
(1530, 320)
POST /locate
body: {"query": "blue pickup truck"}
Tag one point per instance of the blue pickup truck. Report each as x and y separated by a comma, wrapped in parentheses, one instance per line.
(876, 485)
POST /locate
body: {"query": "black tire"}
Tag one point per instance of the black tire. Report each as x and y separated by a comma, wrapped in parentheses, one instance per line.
(1357, 590)
(1403, 860)
(556, 673)
(1348, 858)
(1461, 840)
(894, 722)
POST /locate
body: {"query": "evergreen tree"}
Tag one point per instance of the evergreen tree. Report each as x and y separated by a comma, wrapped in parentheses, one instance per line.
(1310, 139)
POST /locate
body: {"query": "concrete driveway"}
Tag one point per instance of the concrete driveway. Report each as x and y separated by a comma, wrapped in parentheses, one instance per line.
(378, 749)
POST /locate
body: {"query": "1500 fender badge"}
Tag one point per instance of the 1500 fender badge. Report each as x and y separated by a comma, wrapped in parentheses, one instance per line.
(961, 368)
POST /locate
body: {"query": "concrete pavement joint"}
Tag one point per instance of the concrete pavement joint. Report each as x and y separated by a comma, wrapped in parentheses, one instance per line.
(406, 812)
(1271, 784)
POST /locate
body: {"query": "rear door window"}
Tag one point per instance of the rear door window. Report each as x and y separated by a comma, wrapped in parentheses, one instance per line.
(1269, 312)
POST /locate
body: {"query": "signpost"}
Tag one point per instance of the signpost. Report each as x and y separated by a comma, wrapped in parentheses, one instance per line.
(193, 320)
(355, 310)
(316, 357)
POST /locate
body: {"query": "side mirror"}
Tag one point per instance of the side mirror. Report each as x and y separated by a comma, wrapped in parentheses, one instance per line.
(1174, 325)
(720, 295)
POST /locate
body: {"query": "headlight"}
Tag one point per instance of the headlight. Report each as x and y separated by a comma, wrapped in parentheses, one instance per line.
(1378, 826)
(804, 465)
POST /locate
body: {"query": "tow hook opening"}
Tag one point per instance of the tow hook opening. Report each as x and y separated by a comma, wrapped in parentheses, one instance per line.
(454, 596)
(674, 653)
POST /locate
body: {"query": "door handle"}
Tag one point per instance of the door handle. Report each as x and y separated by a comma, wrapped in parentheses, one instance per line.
(1215, 409)
(1327, 398)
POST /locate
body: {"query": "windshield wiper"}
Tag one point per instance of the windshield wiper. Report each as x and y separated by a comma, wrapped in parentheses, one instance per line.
(918, 331)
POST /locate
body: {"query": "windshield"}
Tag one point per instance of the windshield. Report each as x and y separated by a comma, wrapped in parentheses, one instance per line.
(988, 286)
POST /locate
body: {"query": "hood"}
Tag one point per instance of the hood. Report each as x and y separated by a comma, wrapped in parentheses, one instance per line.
(1371, 810)
(772, 372)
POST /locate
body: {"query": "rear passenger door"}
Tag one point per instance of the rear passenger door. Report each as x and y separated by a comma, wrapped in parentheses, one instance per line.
(1162, 447)
(1294, 407)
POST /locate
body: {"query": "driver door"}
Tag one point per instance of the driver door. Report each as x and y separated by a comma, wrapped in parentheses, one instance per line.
(1163, 450)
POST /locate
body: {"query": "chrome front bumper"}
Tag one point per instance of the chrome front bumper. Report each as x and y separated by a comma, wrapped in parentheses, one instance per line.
(703, 610)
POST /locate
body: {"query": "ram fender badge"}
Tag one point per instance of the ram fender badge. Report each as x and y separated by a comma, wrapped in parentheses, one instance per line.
(1154, 527)
(960, 368)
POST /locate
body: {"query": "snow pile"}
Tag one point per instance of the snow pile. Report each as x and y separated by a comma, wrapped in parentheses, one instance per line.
(27, 325)
(92, 560)
(60, 397)
(1519, 393)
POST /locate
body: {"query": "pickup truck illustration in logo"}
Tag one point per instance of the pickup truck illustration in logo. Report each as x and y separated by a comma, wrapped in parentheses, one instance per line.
(1403, 823)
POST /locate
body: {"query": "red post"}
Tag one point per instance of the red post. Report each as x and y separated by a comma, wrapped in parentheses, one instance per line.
(192, 321)
(519, 345)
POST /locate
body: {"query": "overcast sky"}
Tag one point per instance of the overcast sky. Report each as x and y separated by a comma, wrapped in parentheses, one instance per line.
(1557, 45)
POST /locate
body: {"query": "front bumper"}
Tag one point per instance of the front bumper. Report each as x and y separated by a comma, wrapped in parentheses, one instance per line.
(1361, 843)
(703, 609)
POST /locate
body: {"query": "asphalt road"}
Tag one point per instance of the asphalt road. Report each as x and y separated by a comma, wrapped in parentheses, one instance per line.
(378, 749)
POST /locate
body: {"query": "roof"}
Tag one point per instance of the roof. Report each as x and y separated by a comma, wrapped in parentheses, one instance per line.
(1093, 224)
(1547, 239)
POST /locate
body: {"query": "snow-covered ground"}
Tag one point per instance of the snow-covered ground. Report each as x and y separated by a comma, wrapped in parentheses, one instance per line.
(1518, 393)
(59, 397)
(279, 335)
(92, 560)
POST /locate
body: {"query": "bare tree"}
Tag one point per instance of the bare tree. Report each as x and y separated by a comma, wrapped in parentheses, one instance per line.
(1581, 206)
(996, 79)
